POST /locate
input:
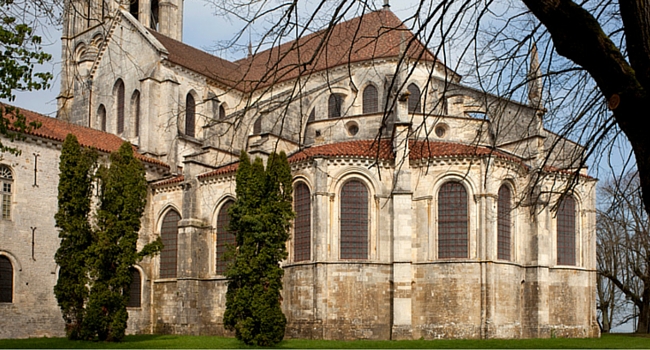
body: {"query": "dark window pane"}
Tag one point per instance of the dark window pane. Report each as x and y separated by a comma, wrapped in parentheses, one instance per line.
(566, 232)
(414, 99)
(6, 280)
(354, 221)
(504, 223)
(334, 106)
(370, 100)
(452, 221)
(302, 223)
(224, 237)
(135, 291)
(169, 236)
(120, 107)
(190, 115)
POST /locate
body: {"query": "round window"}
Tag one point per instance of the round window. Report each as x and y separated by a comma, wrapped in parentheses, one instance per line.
(441, 130)
(353, 128)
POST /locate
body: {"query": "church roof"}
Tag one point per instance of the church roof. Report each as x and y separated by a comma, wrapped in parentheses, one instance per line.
(57, 130)
(370, 149)
(375, 35)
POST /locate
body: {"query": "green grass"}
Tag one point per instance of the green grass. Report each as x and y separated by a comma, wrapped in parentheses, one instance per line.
(608, 341)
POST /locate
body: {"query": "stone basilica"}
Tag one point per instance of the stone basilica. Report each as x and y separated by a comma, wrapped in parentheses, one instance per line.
(423, 207)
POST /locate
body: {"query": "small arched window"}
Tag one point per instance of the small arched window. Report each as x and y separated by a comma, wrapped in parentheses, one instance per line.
(504, 223)
(257, 126)
(224, 236)
(452, 221)
(302, 223)
(190, 115)
(134, 8)
(101, 116)
(222, 112)
(370, 100)
(414, 99)
(566, 232)
(335, 106)
(119, 91)
(312, 116)
(154, 15)
(135, 107)
(354, 220)
(135, 290)
(6, 280)
(7, 181)
(169, 236)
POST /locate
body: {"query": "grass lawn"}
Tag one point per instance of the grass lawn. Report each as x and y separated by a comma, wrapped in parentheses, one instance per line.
(608, 341)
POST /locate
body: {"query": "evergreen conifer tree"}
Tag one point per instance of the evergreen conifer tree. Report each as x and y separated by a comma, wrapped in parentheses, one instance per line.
(113, 252)
(261, 218)
(75, 188)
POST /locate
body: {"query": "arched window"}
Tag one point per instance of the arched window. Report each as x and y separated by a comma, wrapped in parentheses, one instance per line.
(134, 8)
(119, 91)
(169, 236)
(135, 107)
(190, 109)
(452, 221)
(504, 223)
(7, 181)
(257, 126)
(312, 116)
(224, 236)
(414, 99)
(6, 280)
(302, 223)
(222, 112)
(370, 100)
(335, 106)
(354, 220)
(154, 15)
(101, 116)
(566, 232)
(135, 290)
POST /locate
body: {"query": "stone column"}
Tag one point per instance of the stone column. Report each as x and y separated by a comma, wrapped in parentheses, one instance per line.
(320, 246)
(193, 254)
(402, 228)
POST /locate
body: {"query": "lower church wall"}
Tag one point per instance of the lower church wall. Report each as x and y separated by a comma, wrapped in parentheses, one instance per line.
(447, 300)
(338, 301)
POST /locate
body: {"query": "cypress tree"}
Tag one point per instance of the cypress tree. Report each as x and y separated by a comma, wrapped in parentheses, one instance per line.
(261, 218)
(113, 251)
(75, 188)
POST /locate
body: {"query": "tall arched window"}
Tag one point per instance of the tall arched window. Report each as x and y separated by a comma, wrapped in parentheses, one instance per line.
(6, 280)
(504, 223)
(119, 91)
(452, 221)
(335, 106)
(224, 236)
(354, 220)
(222, 112)
(414, 99)
(101, 116)
(312, 116)
(135, 290)
(7, 181)
(169, 236)
(190, 116)
(302, 223)
(135, 108)
(370, 100)
(566, 232)
(154, 15)
(257, 126)
(134, 8)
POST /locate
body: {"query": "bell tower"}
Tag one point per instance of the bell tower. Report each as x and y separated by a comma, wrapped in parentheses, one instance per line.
(85, 28)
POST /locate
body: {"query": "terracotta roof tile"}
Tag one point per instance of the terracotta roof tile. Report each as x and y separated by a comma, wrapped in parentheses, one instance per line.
(377, 34)
(172, 180)
(226, 169)
(57, 130)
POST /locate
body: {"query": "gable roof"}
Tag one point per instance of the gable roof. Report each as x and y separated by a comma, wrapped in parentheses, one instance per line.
(374, 35)
(57, 130)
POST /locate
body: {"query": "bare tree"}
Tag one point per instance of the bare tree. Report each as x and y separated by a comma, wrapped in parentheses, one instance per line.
(624, 250)
(589, 83)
